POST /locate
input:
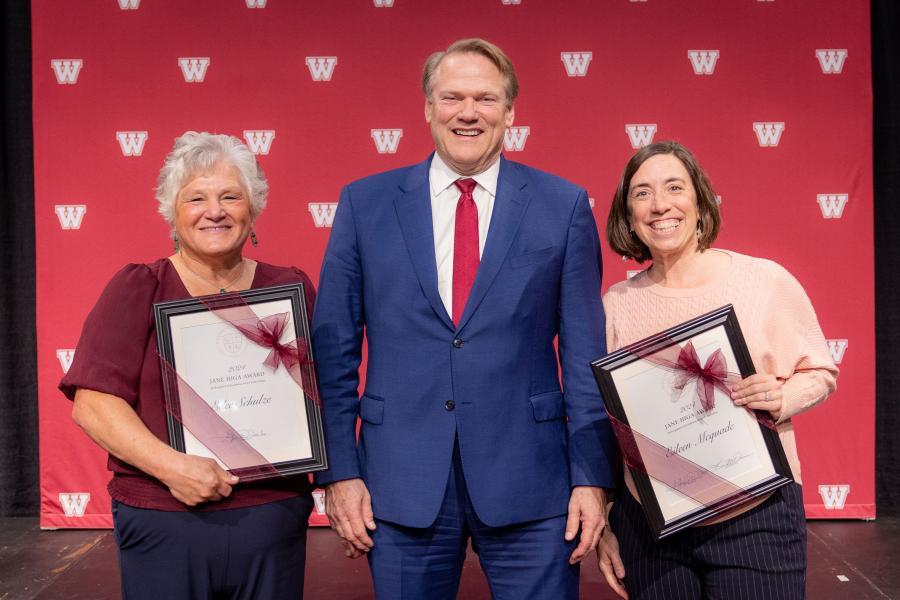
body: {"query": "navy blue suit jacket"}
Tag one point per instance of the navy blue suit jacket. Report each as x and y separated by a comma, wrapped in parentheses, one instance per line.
(524, 441)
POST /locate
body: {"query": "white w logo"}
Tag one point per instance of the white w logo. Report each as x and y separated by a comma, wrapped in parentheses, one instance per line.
(259, 141)
(322, 213)
(65, 356)
(321, 68)
(576, 63)
(834, 496)
(641, 134)
(837, 349)
(74, 504)
(514, 138)
(131, 142)
(387, 140)
(194, 68)
(129, 4)
(768, 134)
(383, 3)
(256, 3)
(319, 499)
(832, 205)
(70, 215)
(66, 70)
(832, 61)
(703, 61)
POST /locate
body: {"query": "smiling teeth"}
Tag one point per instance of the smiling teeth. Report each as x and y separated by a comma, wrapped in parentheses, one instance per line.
(664, 226)
(466, 132)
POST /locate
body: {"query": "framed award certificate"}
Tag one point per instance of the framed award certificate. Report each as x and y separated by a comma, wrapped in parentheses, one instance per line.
(693, 454)
(239, 381)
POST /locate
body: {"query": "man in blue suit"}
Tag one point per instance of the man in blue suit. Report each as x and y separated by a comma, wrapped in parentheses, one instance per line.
(461, 271)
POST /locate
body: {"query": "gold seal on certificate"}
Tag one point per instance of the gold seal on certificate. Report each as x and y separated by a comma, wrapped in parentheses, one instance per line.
(239, 381)
(692, 453)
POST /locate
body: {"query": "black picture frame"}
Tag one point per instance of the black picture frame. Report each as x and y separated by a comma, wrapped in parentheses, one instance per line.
(171, 315)
(663, 519)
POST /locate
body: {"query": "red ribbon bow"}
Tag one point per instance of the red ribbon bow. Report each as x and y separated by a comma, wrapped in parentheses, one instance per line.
(267, 332)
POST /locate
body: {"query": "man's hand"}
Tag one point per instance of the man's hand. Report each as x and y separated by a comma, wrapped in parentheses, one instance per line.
(349, 509)
(195, 479)
(587, 507)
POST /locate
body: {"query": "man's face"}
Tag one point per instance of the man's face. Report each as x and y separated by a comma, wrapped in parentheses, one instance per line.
(468, 112)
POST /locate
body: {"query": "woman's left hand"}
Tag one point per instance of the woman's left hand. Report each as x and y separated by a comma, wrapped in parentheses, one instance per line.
(759, 392)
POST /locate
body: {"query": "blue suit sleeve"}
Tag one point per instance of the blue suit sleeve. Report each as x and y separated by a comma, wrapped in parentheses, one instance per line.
(337, 333)
(582, 328)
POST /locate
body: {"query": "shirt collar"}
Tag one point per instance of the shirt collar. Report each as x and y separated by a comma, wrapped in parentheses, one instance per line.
(442, 176)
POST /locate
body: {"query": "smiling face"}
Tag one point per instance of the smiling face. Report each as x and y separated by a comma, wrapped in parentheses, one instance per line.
(468, 112)
(212, 214)
(662, 204)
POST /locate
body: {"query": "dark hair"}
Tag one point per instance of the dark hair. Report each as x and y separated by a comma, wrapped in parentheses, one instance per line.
(474, 46)
(618, 229)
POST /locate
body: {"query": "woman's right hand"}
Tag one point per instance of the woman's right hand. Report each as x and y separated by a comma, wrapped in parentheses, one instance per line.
(611, 563)
(194, 480)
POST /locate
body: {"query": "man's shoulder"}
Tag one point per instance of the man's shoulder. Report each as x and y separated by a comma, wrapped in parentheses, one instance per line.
(543, 179)
(389, 180)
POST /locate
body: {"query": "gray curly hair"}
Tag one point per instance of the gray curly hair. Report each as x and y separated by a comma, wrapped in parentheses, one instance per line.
(195, 153)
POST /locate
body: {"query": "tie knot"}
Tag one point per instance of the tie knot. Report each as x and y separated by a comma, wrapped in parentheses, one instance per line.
(465, 185)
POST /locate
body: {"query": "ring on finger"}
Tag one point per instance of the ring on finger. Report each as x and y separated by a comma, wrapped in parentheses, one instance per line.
(767, 396)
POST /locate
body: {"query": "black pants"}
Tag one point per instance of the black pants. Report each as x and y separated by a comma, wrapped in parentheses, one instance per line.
(241, 553)
(758, 554)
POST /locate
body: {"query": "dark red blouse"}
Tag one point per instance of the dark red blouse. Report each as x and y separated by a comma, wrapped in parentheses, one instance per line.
(117, 355)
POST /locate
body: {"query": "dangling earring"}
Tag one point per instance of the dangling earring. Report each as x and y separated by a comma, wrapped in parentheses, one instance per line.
(253, 239)
(699, 230)
(175, 242)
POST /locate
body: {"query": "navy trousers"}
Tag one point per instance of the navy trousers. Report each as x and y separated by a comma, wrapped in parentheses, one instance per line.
(758, 554)
(526, 560)
(240, 554)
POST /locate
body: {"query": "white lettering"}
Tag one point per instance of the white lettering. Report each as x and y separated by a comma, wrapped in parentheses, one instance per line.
(832, 205)
(70, 215)
(194, 68)
(703, 61)
(66, 70)
(768, 133)
(322, 213)
(321, 68)
(832, 60)
(259, 141)
(74, 504)
(834, 496)
(837, 349)
(640, 135)
(576, 63)
(386, 140)
(131, 142)
(514, 138)
(65, 356)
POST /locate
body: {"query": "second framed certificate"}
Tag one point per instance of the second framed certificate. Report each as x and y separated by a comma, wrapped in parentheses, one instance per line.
(239, 381)
(692, 453)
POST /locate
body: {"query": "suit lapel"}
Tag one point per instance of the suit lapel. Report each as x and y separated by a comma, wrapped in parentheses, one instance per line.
(509, 207)
(413, 207)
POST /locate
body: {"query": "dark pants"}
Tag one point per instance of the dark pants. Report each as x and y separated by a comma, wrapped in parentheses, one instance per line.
(527, 560)
(758, 554)
(241, 553)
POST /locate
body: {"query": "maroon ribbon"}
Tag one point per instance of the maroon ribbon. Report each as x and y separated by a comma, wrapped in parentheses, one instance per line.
(685, 363)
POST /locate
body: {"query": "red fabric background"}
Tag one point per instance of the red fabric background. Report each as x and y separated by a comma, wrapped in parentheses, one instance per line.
(640, 73)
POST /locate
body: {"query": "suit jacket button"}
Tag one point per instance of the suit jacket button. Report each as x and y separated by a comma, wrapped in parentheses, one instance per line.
(449, 405)
(457, 343)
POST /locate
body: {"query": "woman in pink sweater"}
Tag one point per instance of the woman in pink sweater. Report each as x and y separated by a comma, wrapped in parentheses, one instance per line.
(665, 211)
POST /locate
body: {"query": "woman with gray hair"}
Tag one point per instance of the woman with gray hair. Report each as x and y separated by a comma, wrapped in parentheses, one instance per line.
(183, 525)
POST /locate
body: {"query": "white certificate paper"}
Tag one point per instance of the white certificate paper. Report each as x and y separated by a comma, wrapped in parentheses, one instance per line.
(226, 370)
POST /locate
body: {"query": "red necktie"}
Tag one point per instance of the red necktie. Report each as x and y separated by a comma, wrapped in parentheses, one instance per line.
(465, 247)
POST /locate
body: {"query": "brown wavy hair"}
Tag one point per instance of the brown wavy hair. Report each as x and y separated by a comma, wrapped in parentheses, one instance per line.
(618, 229)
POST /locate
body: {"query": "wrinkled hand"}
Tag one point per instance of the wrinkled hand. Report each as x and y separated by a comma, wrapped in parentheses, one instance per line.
(349, 509)
(610, 563)
(194, 480)
(587, 507)
(759, 392)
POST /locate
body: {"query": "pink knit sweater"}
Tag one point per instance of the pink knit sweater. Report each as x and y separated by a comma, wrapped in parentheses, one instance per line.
(776, 318)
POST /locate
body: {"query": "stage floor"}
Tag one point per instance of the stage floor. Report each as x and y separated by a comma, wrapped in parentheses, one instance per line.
(847, 560)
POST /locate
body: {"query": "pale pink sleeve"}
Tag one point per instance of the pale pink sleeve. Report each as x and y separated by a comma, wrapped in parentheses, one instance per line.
(799, 353)
(610, 313)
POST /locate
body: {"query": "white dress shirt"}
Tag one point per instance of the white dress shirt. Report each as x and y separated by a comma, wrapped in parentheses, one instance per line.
(444, 197)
